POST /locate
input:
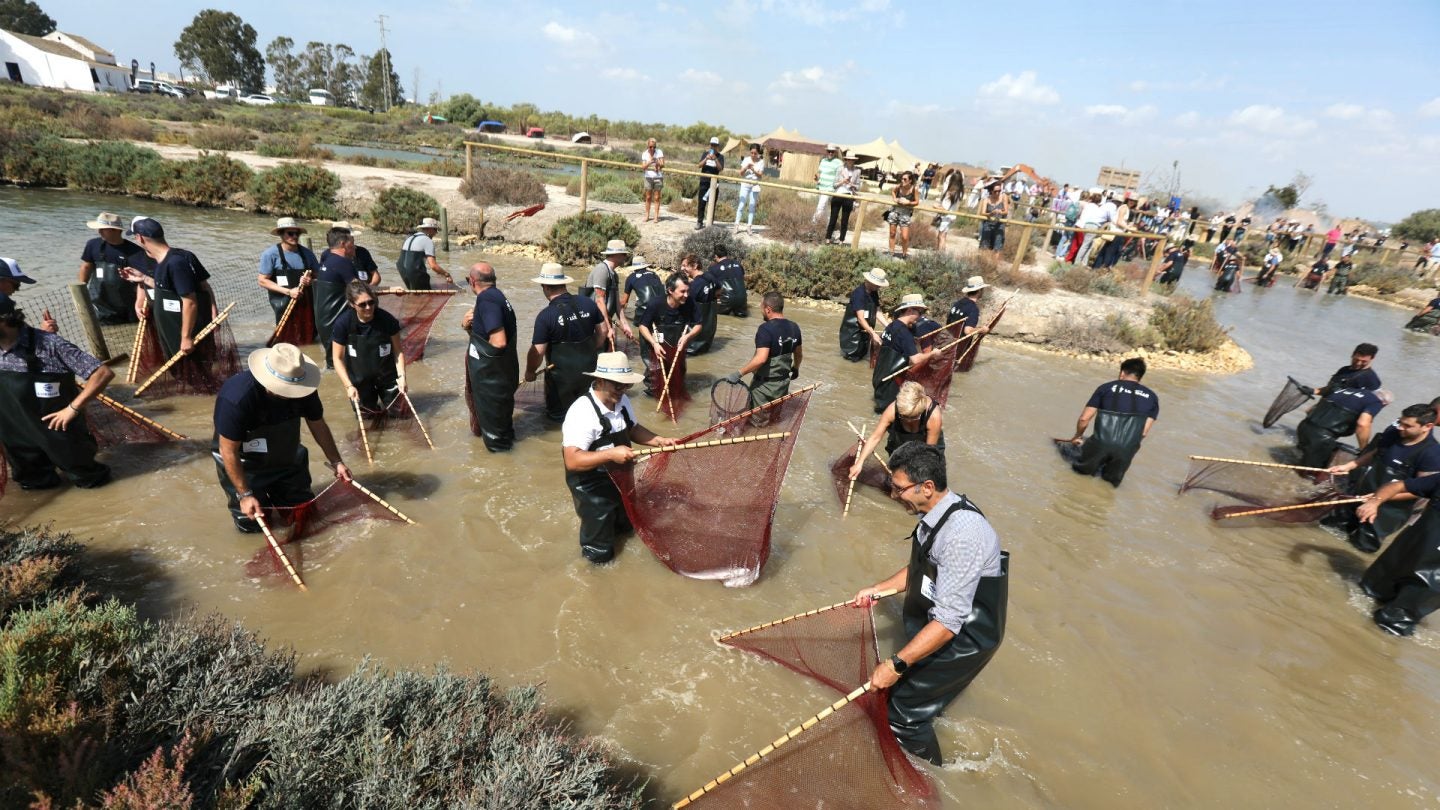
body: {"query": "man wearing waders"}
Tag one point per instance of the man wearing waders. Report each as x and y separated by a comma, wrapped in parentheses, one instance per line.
(1359, 374)
(1406, 449)
(366, 350)
(258, 455)
(100, 262)
(1231, 268)
(41, 425)
(956, 590)
(337, 270)
(598, 431)
(603, 286)
(862, 312)
(729, 274)
(666, 327)
(1427, 319)
(568, 335)
(183, 302)
(283, 266)
(417, 257)
(898, 351)
(1348, 411)
(492, 363)
(778, 353)
(1123, 412)
(966, 309)
(702, 295)
(644, 283)
(1405, 579)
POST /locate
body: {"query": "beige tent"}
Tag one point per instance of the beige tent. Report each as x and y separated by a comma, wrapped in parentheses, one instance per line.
(870, 152)
(903, 159)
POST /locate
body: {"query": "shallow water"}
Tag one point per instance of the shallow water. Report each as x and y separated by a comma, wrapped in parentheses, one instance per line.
(1153, 658)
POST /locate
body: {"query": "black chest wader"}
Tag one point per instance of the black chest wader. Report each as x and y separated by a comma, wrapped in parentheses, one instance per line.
(566, 382)
(1110, 449)
(897, 435)
(769, 383)
(732, 295)
(1177, 269)
(1228, 274)
(494, 376)
(1426, 322)
(1318, 433)
(668, 332)
(889, 362)
(34, 450)
(276, 465)
(854, 341)
(1392, 515)
(1405, 579)
(285, 276)
(612, 293)
(646, 291)
(370, 362)
(597, 501)
(169, 311)
(330, 301)
(929, 685)
(708, 312)
(412, 266)
(1339, 283)
(112, 296)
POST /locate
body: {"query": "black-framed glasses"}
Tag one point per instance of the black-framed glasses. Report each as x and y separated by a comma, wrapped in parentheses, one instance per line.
(895, 493)
(364, 304)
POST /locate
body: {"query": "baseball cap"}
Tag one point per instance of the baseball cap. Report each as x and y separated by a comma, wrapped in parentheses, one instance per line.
(9, 268)
(714, 141)
(148, 228)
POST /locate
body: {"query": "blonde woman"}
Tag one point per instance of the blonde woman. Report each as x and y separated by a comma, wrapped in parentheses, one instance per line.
(912, 417)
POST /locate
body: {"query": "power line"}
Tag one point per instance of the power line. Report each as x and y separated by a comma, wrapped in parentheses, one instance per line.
(385, 61)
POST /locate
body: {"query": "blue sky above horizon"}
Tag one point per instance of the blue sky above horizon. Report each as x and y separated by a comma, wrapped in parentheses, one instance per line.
(1243, 95)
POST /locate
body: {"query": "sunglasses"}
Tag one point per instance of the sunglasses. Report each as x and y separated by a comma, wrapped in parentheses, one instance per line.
(364, 304)
(290, 233)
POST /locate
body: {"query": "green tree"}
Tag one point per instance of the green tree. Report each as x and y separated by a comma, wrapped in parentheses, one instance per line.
(219, 47)
(1421, 226)
(1286, 196)
(465, 110)
(372, 92)
(24, 17)
(285, 67)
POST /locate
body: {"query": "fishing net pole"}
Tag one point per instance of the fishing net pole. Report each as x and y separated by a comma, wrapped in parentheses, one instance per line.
(417, 311)
(967, 357)
(213, 360)
(1292, 396)
(665, 374)
(339, 504)
(297, 323)
(1263, 485)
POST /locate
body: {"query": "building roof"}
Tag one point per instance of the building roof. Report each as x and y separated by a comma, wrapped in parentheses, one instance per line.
(87, 44)
(54, 48)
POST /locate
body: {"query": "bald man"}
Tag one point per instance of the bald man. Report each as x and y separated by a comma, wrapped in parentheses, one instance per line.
(492, 364)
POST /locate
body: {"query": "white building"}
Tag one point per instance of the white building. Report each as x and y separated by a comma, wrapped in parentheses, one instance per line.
(61, 60)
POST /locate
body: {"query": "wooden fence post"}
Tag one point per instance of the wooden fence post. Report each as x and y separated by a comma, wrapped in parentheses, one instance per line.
(80, 296)
(710, 201)
(444, 229)
(584, 184)
(469, 163)
(1155, 261)
(859, 223)
(1025, 234)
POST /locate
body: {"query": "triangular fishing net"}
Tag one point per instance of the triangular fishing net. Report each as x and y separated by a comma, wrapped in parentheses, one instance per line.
(337, 504)
(395, 419)
(936, 375)
(529, 397)
(416, 311)
(728, 399)
(872, 474)
(114, 425)
(1262, 486)
(707, 513)
(298, 328)
(1292, 396)
(676, 398)
(213, 361)
(970, 349)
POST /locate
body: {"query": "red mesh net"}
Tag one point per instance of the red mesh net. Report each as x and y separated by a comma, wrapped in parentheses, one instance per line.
(676, 398)
(396, 419)
(936, 375)
(1292, 396)
(529, 397)
(114, 425)
(4, 472)
(337, 504)
(707, 513)
(416, 312)
(1262, 486)
(872, 474)
(971, 349)
(298, 328)
(214, 360)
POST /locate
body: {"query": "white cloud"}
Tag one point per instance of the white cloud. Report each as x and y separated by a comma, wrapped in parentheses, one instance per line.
(1139, 86)
(1022, 88)
(1122, 114)
(705, 77)
(1431, 108)
(555, 32)
(1372, 118)
(809, 80)
(817, 13)
(1345, 112)
(1268, 120)
(624, 74)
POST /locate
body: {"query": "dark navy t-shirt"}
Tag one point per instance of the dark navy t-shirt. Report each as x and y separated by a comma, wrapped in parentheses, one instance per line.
(242, 406)
(1425, 487)
(384, 323)
(1348, 377)
(727, 270)
(1426, 458)
(899, 337)
(493, 311)
(364, 263)
(1356, 400)
(1434, 303)
(702, 289)
(862, 300)
(566, 319)
(337, 269)
(779, 335)
(1125, 396)
(180, 271)
(98, 251)
(969, 310)
(659, 312)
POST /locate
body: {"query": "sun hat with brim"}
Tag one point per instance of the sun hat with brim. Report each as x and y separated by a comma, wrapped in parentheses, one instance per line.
(830, 147)
(910, 301)
(615, 247)
(286, 224)
(106, 220)
(428, 222)
(849, 155)
(615, 367)
(9, 268)
(284, 371)
(637, 263)
(345, 225)
(876, 276)
(975, 283)
(552, 275)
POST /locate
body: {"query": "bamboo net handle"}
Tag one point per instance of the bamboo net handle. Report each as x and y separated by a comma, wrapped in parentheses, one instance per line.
(940, 328)
(279, 552)
(403, 291)
(863, 438)
(289, 308)
(364, 438)
(665, 390)
(1292, 507)
(772, 403)
(136, 416)
(769, 749)
(759, 437)
(988, 327)
(1259, 463)
(416, 414)
(199, 336)
(806, 614)
(850, 489)
(133, 370)
(381, 501)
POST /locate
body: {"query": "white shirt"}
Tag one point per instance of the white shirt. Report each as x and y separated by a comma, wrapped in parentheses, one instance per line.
(647, 156)
(751, 169)
(1107, 212)
(1089, 215)
(420, 242)
(581, 428)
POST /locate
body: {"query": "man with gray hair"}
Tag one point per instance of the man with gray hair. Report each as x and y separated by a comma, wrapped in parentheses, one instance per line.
(492, 364)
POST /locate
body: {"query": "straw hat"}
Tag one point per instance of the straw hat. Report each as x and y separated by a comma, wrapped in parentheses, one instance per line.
(106, 220)
(427, 222)
(830, 147)
(637, 263)
(615, 247)
(615, 367)
(910, 301)
(877, 277)
(345, 225)
(286, 224)
(285, 371)
(975, 283)
(849, 155)
(552, 275)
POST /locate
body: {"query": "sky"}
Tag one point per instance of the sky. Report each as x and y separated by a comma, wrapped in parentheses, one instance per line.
(1242, 94)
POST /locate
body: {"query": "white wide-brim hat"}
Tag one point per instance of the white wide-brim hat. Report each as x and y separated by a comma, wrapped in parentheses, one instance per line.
(106, 220)
(637, 263)
(910, 301)
(428, 222)
(345, 225)
(615, 367)
(552, 275)
(285, 371)
(876, 276)
(286, 224)
(975, 283)
(615, 247)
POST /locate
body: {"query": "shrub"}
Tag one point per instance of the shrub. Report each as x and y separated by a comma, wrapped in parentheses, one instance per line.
(614, 193)
(580, 238)
(1187, 325)
(35, 160)
(297, 190)
(129, 128)
(996, 271)
(491, 185)
(106, 166)
(1085, 336)
(787, 217)
(284, 147)
(1387, 280)
(1072, 277)
(211, 179)
(158, 179)
(397, 209)
(1111, 285)
(33, 561)
(221, 138)
(702, 243)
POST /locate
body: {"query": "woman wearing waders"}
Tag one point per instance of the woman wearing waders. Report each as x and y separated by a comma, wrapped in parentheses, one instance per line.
(1123, 412)
(365, 348)
(703, 291)
(956, 590)
(1347, 411)
(417, 257)
(183, 303)
(41, 425)
(568, 335)
(898, 350)
(112, 295)
(337, 270)
(492, 364)
(862, 312)
(1405, 579)
(779, 351)
(1405, 450)
(912, 417)
(598, 431)
(258, 455)
(284, 265)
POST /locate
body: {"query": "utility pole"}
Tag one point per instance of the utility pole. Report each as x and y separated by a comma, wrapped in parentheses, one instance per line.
(385, 61)
(415, 86)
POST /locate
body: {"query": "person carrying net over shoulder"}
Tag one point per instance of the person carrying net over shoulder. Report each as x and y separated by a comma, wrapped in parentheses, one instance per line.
(779, 351)
(899, 350)
(956, 593)
(1123, 412)
(912, 417)
(366, 350)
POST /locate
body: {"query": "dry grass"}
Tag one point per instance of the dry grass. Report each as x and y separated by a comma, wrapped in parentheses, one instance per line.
(496, 186)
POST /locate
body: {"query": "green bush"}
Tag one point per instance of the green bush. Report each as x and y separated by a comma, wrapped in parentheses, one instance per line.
(1387, 280)
(106, 166)
(398, 209)
(1184, 324)
(296, 190)
(579, 239)
(35, 160)
(702, 243)
(614, 193)
(492, 185)
(289, 147)
(221, 138)
(211, 179)
(157, 180)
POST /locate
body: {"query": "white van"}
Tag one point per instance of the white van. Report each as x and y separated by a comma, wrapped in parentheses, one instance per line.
(321, 97)
(153, 86)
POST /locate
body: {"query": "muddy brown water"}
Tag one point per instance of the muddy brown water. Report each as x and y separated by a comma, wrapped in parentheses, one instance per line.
(1153, 659)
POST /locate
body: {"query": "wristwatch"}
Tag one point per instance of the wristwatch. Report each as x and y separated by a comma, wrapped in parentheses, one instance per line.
(899, 664)
(240, 496)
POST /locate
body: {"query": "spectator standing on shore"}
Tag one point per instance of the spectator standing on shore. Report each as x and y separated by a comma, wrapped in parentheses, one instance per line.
(1213, 227)
(825, 174)
(996, 209)
(926, 178)
(712, 162)
(1226, 226)
(1118, 223)
(1068, 213)
(653, 161)
(847, 185)
(949, 202)
(1091, 215)
(751, 168)
(1332, 238)
(906, 198)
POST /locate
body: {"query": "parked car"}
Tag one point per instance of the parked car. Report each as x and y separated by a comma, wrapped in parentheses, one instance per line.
(320, 97)
(257, 99)
(155, 86)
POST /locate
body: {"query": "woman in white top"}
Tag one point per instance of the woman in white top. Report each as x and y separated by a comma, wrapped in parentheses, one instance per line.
(751, 168)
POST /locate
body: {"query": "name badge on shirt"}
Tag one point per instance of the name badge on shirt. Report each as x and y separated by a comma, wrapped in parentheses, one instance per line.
(283, 281)
(474, 353)
(352, 351)
(172, 304)
(150, 293)
(45, 390)
(255, 446)
(385, 349)
(99, 272)
(927, 588)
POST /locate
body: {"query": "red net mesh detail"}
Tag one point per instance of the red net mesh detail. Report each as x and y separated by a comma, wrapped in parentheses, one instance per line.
(337, 504)
(395, 419)
(937, 374)
(707, 513)
(1292, 396)
(214, 360)
(470, 402)
(871, 475)
(417, 315)
(299, 328)
(676, 397)
(971, 349)
(113, 427)
(1263, 487)
(529, 397)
